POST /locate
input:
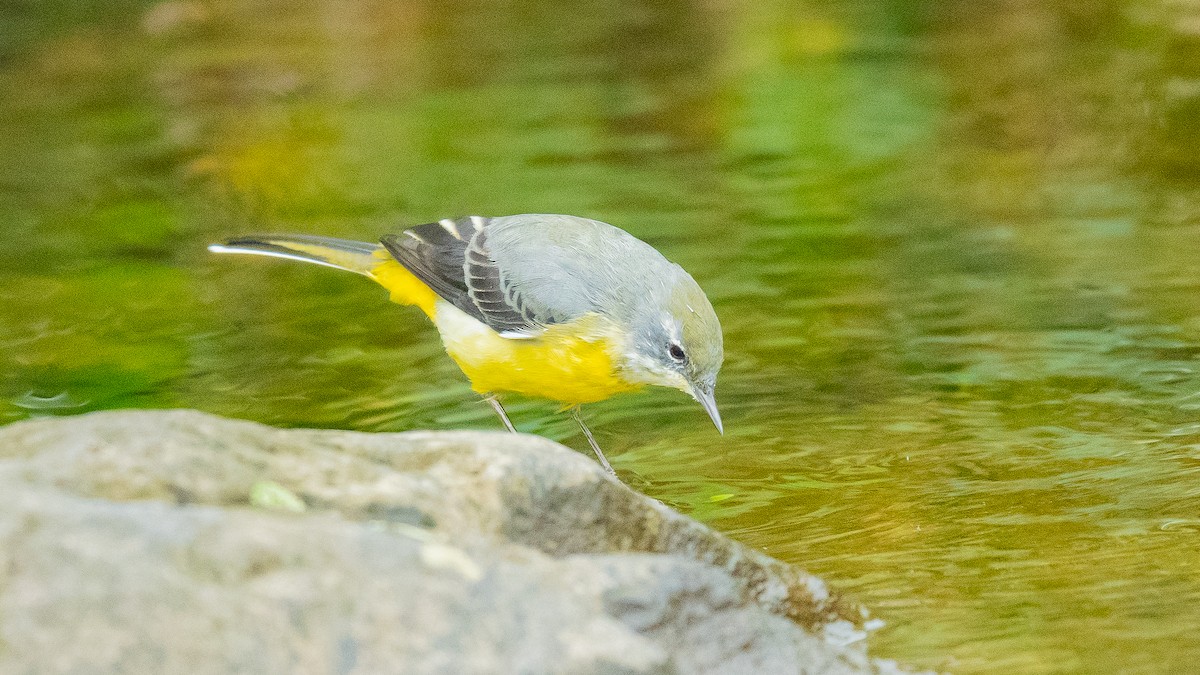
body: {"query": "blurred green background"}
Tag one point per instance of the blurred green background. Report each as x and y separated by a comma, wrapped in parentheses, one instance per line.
(954, 247)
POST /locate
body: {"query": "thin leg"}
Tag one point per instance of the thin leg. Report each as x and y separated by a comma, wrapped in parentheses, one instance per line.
(592, 441)
(500, 411)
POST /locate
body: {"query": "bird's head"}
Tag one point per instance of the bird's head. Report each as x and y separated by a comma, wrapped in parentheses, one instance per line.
(676, 342)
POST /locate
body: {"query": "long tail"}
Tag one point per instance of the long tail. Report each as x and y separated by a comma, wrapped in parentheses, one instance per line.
(359, 257)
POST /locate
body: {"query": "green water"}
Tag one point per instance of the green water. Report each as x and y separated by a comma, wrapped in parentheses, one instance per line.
(955, 249)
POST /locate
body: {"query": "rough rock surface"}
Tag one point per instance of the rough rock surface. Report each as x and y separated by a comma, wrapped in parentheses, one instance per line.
(174, 542)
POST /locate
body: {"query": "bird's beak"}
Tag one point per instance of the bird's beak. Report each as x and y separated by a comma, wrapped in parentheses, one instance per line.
(709, 400)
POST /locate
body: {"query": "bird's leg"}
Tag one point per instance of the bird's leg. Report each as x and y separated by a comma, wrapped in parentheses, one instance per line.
(500, 411)
(592, 441)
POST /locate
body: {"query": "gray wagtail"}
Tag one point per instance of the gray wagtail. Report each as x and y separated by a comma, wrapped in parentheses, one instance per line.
(557, 307)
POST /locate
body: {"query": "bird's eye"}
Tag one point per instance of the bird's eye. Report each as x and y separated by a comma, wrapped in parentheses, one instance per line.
(676, 352)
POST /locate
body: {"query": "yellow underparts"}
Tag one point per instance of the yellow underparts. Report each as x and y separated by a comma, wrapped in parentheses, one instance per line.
(571, 363)
(405, 289)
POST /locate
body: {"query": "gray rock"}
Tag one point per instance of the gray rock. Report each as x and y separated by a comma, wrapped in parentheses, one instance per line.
(179, 542)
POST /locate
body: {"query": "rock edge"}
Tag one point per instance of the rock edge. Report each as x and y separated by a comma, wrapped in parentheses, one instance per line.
(176, 541)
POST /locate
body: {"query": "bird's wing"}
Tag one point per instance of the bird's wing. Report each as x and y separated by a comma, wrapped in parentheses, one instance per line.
(452, 257)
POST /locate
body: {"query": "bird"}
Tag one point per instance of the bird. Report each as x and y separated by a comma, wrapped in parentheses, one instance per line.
(549, 306)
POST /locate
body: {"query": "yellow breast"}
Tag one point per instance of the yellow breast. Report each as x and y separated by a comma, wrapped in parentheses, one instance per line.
(571, 362)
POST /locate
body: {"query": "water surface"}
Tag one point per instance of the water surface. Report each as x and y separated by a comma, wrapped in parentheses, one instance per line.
(954, 250)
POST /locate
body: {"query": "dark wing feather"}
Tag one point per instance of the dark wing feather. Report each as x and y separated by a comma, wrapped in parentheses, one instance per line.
(452, 258)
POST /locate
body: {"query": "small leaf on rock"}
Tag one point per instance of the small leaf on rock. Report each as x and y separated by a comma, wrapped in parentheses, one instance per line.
(267, 494)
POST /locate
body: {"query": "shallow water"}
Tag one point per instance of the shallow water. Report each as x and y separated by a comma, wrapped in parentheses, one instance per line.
(954, 251)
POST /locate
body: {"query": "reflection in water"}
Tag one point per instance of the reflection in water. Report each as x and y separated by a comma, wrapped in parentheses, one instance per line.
(953, 247)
